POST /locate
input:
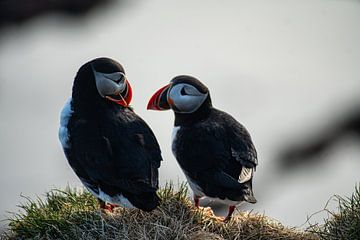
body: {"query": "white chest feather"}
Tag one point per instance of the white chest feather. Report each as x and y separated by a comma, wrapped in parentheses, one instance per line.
(197, 191)
(246, 174)
(64, 120)
(173, 139)
(118, 199)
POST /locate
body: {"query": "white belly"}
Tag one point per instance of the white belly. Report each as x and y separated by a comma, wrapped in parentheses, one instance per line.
(173, 139)
(64, 120)
(117, 199)
(226, 201)
(197, 191)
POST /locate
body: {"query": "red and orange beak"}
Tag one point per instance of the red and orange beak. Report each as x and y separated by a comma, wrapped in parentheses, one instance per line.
(123, 98)
(159, 101)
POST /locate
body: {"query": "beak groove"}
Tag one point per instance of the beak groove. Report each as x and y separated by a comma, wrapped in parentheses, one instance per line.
(126, 96)
(159, 101)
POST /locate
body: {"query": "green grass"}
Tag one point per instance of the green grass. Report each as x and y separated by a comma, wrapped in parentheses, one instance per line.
(61, 211)
(343, 224)
(74, 214)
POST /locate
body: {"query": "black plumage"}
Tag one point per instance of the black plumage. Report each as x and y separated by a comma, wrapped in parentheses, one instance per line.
(214, 150)
(110, 148)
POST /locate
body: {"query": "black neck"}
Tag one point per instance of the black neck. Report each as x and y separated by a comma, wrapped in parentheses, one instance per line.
(86, 101)
(186, 119)
(94, 109)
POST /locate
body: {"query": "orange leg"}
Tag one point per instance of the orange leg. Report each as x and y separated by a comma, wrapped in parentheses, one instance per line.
(109, 207)
(113, 206)
(230, 212)
(196, 201)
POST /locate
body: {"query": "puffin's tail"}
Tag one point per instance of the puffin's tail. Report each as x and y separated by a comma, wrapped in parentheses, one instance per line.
(147, 201)
(248, 192)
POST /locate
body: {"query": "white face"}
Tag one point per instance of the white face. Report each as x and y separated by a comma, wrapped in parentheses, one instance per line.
(109, 83)
(186, 98)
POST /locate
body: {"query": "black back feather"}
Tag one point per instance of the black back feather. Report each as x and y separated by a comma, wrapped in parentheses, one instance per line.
(111, 148)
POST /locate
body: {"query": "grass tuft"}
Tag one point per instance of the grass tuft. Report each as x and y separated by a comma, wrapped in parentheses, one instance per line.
(56, 216)
(345, 223)
(73, 214)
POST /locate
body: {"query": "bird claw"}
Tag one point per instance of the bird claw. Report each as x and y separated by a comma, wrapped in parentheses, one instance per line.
(108, 207)
(226, 219)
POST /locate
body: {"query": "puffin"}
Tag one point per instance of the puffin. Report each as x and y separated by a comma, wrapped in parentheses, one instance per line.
(111, 149)
(214, 151)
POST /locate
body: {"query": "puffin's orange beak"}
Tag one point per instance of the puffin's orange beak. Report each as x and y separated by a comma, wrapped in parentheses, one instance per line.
(125, 96)
(159, 101)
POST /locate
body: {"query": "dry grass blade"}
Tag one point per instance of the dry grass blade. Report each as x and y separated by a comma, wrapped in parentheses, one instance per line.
(344, 224)
(73, 214)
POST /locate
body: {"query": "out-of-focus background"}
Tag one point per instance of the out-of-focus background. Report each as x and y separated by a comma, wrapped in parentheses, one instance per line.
(288, 70)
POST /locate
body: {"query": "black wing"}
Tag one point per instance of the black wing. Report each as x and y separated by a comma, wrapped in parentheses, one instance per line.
(202, 151)
(206, 153)
(146, 138)
(242, 147)
(119, 157)
(242, 151)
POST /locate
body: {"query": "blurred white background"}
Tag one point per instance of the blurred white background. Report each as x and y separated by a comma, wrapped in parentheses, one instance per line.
(282, 68)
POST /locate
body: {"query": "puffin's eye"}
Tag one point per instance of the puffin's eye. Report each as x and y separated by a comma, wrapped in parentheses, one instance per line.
(183, 92)
(122, 77)
(116, 77)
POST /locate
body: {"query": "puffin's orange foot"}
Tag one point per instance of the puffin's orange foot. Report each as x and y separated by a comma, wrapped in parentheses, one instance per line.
(112, 206)
(109, 207)
(226, 219)
(196, 202)
(231, 210)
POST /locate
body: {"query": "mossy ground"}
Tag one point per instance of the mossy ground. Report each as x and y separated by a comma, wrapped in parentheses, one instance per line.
(74, 214)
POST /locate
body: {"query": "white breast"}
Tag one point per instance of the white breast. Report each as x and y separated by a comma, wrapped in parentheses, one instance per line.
(118, 199)
(64, 120)
(173, 139)
(246, 174)
(197, 191)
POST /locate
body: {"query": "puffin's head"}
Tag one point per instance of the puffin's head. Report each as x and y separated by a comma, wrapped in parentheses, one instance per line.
(109, 80)
(184, 94)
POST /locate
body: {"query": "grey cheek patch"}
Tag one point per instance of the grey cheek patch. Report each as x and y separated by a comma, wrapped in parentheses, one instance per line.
(113, 76)
(105, 84)
(190, 104)
(186, 103)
